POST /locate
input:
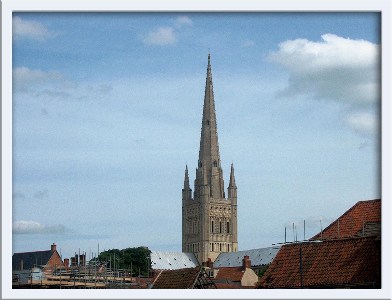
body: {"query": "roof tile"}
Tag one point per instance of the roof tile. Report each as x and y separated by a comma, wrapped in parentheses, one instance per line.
(232, 273)
(357, 220)
(344, 262)
(177, 279)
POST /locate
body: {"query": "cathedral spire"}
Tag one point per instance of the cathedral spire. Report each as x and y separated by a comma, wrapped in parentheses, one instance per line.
(209, 219)
(209, 147)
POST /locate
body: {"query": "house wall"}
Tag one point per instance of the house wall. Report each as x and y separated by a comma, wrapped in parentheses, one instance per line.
(55, 261)
(249, 278)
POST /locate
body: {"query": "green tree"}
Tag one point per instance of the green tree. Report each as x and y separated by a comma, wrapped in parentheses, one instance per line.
(137, 258)
(262, 270)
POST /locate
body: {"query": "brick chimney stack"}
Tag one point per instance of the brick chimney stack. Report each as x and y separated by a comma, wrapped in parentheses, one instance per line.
(53, 247)
(208, 263)
(66, 262)
(246, 262)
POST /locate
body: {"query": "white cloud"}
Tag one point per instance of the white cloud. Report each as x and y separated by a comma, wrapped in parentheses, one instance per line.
(161, 36)
(33, 227)
(304, 56)
(55, 86)
(30, 29)
(363, 122)
(183, 20)
(339, 69)
(25, 78)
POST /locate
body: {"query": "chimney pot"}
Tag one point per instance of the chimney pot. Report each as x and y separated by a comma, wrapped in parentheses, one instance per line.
(53, 247)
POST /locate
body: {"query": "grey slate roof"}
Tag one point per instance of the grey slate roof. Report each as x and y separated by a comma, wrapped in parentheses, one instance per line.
(258, 257)
(172, 260)
(30, 259)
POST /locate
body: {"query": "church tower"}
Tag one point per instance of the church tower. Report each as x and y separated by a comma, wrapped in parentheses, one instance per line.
(209, 219)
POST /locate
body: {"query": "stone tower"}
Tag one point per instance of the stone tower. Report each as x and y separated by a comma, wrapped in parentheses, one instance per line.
(209, 219)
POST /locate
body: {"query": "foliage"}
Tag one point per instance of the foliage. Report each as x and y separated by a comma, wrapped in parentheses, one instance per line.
(262, 270)
(137, 259)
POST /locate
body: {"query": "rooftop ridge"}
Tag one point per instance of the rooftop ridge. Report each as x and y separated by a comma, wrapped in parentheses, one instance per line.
(347, 212)
(28, 252)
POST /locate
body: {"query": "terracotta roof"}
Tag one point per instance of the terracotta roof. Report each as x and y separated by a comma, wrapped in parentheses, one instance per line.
(332, 263)
(227, 286)
(187, 278)
(232, 286)
(232, 273)
(360, 219)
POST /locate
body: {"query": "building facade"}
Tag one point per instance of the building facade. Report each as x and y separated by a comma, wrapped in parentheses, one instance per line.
(209, 218)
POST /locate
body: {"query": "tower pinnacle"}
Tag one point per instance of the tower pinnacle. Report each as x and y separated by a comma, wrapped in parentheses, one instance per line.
(186, 178)
(232, 177)
(186, 191)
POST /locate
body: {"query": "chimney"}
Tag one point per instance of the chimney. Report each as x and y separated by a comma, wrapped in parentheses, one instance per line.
(82, 259)
(246, 262)
(66, 262)
(73, 261)
(53, 247)
(207, 263)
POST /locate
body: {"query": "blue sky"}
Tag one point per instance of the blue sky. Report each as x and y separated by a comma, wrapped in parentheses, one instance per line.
(107, 111)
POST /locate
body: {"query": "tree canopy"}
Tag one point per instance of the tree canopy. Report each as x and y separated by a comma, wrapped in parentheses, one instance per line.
(136, 259)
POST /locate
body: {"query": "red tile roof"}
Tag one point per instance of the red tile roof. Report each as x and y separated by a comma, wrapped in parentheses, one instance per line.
(177, 279)
(333, 263)
(231, 286)
(362, 216)
(188, 278)
(232, 273)
(227, 286)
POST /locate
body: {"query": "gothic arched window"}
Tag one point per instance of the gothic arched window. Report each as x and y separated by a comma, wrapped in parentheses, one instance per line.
(215, 163)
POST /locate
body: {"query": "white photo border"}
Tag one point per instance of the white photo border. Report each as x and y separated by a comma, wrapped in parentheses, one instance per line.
(10, 6)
